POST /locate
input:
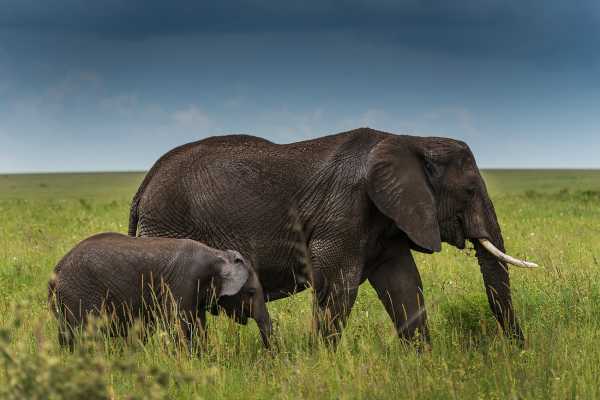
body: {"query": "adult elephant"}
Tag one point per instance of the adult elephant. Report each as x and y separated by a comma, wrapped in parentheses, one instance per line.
(357, 202)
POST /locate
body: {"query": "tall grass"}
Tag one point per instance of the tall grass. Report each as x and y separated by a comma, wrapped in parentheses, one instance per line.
(556, 224)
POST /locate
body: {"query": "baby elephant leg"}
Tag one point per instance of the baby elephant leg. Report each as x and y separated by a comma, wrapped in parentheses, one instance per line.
(66, 336)
(193, 330)
(68, 325)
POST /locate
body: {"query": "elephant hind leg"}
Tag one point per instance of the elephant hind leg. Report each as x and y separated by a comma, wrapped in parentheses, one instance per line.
(398, 286)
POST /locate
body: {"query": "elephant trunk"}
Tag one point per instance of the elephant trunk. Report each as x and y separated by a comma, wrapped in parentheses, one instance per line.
(485, 234)
(263, 319)
(497, 287)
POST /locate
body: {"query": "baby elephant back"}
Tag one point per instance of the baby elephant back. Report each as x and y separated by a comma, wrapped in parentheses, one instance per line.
(113, 270)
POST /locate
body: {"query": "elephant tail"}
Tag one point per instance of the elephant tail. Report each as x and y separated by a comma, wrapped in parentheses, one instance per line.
(52, 295)
(134, 215)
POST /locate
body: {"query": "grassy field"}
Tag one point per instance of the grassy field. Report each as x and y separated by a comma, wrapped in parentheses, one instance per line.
(551, 217)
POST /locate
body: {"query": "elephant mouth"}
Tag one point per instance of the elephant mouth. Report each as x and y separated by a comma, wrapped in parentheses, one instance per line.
(458, 241)
(454, 233)
(229, 305)
(241, 319)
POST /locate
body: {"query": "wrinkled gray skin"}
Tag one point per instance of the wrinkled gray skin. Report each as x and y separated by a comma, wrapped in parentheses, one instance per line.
(358, 202)
(130, 277)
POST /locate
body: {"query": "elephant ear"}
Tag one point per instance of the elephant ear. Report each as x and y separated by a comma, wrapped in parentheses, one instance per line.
(398, 185)
(233, 277)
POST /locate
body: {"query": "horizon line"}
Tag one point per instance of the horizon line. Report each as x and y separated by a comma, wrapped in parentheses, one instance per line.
(140, 171)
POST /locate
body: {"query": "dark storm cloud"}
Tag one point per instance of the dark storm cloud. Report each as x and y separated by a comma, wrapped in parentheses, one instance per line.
(474, 27)
(509, 77)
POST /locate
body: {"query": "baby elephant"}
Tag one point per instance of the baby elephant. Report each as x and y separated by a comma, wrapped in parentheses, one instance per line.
(131, 278)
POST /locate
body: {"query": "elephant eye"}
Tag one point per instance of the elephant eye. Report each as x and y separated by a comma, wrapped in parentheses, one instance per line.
(251, 291)
(238, 260)
(431, 169)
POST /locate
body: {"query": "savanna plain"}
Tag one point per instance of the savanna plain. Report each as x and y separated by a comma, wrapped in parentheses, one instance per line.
(550, 217)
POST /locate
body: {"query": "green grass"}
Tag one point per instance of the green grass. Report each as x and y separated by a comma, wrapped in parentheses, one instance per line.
(552, 217)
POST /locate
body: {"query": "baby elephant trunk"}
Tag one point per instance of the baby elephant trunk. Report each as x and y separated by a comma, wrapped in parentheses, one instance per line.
(262, 318)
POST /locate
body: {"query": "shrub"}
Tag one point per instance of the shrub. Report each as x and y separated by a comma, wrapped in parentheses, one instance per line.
(45, 373)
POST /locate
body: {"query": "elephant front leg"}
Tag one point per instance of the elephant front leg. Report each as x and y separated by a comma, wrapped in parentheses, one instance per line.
(332, 306)
(337, 266)
(335, 291)
(398, 285)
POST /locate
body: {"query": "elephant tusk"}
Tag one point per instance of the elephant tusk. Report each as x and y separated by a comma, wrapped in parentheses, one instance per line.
(505, 257)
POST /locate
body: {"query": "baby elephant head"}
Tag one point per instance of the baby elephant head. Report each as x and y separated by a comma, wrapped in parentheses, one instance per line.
(240, 293)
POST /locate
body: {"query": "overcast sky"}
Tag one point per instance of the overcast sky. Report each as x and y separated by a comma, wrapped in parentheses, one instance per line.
(112, 85)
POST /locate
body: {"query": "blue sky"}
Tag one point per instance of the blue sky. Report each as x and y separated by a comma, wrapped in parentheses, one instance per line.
(112, 85)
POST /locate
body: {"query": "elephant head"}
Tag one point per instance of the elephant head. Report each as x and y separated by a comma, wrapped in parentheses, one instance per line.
(433, 191)
(240, 294)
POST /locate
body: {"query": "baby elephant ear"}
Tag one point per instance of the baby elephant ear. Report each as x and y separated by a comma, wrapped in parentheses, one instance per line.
(233, 276)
